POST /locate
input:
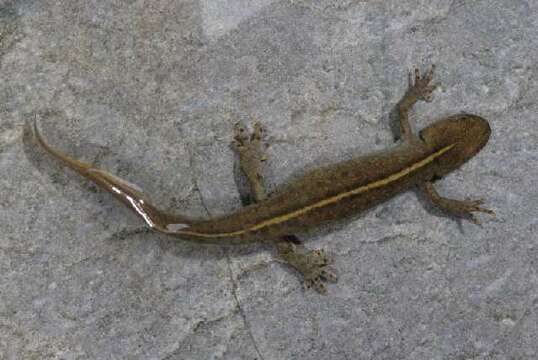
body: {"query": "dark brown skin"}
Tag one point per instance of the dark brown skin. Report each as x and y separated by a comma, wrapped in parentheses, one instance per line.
(324, 194)
(320, 195)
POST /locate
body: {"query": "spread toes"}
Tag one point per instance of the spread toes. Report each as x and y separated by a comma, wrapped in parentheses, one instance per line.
(420, 85)
(317, 278)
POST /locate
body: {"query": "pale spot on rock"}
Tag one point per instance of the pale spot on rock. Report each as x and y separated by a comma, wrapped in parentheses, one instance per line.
(222, 16)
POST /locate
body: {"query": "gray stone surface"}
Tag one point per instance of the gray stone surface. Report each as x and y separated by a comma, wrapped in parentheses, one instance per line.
(150, 90)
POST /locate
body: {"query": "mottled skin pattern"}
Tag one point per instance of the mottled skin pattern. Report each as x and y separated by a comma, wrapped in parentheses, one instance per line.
(324, 194)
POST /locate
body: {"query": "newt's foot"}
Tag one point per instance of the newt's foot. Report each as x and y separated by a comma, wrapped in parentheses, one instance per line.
(245, 140)
(465, 208)
(420, 87)
(312, 264)
(250, 147)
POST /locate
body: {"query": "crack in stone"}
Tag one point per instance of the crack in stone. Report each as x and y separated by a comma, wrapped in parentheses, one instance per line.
(240, 309)
(204, 323)
(196, 188)
(229, 262)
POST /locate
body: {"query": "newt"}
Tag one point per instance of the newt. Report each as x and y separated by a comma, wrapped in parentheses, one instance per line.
(322, 195)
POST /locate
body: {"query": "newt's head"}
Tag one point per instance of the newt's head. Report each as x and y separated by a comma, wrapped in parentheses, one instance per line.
(465, 134)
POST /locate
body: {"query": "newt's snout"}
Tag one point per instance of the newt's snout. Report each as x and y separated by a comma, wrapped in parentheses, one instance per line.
(468, 133)
(475, 132)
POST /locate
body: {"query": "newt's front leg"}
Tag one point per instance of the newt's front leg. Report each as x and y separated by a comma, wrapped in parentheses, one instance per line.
(312, 264)
(461, 208)
(419, 88)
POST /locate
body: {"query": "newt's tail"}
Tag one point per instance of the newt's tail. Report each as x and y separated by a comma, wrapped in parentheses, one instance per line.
(129, 194)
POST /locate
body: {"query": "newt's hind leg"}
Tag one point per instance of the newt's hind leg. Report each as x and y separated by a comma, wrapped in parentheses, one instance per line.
(251, 151)
(312, 264)
(461, 208)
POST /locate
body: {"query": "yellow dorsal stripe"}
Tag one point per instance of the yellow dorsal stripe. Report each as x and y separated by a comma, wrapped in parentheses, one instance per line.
(325, 202)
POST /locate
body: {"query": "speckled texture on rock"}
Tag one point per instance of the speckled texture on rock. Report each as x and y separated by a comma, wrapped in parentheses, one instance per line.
(151, 89)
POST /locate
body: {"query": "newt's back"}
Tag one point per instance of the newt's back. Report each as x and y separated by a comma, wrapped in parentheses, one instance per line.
(327, 193)
(324, 194)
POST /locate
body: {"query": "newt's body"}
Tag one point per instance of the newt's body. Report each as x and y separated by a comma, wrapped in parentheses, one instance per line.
(324, 194)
